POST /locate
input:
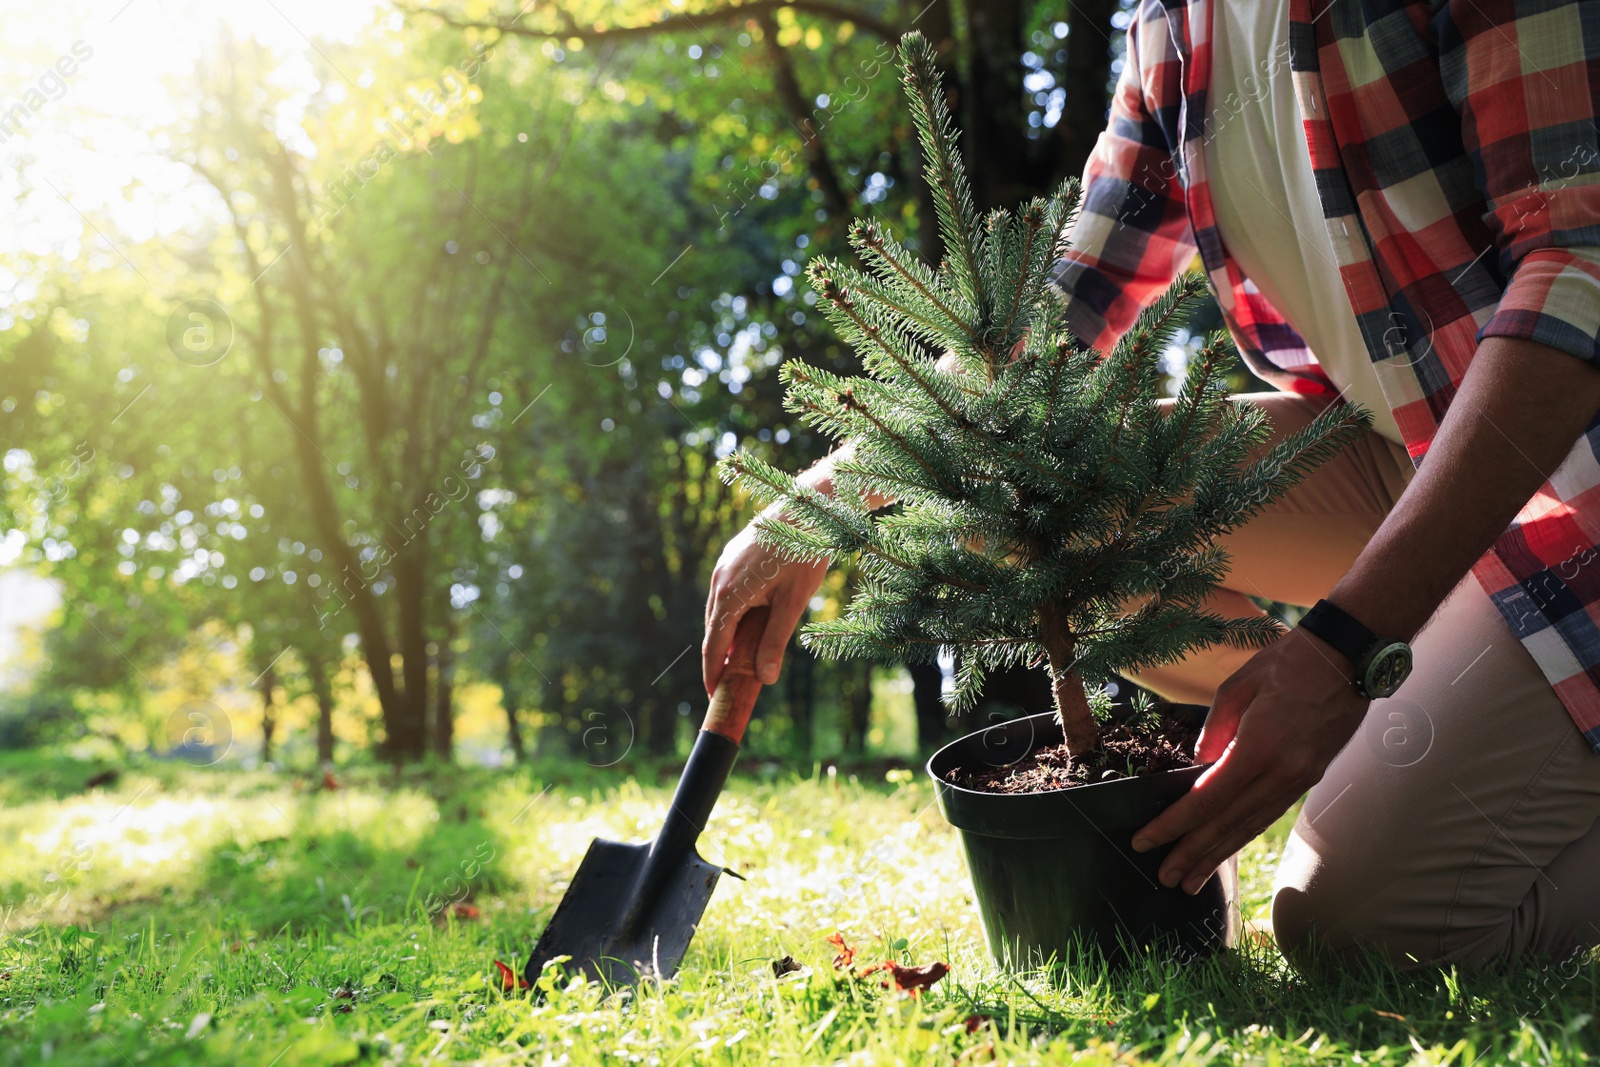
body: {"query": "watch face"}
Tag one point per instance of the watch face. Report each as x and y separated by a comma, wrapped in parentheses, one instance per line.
(1387, 669)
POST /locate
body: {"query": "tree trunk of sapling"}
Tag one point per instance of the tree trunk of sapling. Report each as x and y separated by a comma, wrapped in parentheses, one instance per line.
(1079, 731)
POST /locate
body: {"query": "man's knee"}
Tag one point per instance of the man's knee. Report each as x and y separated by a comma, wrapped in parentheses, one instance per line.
(1327, 908)
(1309, 928)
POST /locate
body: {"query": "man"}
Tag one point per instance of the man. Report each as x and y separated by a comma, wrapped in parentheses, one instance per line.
(1404, 215)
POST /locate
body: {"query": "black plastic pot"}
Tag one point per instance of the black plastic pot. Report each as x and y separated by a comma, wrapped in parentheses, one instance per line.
(1052, 872)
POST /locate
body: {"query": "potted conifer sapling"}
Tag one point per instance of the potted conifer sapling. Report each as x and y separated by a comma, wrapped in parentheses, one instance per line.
(1051, 510)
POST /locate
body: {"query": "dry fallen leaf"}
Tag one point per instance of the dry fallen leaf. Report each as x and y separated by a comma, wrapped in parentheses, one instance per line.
(908, 979)
(509, 978)
(846, 957)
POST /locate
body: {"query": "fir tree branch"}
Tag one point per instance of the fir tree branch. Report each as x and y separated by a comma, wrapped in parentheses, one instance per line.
(998, 399)
(892, 303)
(877, 552)
(782, 487)
(871, 238)
(1034, 222)
(840, 298)
(866, 476)
(1176, 299)
(848, 399)
(945, 172)
(1057, 368)
(1020, 457)
(1209, 357)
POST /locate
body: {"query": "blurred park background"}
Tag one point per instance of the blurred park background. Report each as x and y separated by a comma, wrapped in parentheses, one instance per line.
(364, 366)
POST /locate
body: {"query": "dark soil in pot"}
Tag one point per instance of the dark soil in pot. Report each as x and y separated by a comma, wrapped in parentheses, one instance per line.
(1052, 871)
(1125, 752)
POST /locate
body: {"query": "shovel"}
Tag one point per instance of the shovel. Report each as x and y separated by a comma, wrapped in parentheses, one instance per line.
(631, 910)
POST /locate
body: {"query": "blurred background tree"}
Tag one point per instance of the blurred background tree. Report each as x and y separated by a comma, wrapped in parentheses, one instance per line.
(414, 385)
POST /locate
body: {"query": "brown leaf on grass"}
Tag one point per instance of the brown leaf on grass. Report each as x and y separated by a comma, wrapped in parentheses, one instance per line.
(908, 979)
(509, 978)
(787, 965)
(846, 957)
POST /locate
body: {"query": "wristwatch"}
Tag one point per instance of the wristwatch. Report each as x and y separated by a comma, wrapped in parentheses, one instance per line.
(1382, 663)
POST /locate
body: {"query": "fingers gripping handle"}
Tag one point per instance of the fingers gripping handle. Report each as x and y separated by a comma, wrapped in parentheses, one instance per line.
(738, 687)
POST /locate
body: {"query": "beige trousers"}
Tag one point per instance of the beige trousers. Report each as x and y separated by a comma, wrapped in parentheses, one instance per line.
(1459, 824)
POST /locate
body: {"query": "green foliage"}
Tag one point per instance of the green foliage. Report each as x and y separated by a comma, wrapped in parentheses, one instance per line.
(622, 343)
(1050, 507)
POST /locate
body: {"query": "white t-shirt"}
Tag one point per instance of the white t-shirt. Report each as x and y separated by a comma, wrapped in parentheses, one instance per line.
(1265, 196)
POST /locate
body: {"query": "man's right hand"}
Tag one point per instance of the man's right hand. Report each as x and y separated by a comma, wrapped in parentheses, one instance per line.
(746, 576)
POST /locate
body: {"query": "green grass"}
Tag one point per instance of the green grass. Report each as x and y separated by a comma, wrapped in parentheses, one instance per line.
(183, 916)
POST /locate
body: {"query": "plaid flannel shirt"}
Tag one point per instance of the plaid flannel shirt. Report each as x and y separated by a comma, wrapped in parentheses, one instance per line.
(1458, 163)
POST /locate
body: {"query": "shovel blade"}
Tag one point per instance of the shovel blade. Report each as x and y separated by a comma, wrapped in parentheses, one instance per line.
(589, 922)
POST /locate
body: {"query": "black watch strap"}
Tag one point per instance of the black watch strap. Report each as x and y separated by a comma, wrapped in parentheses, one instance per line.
(1340, 629)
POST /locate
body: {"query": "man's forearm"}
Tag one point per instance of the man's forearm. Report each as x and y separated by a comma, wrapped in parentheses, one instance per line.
(819, 476)
(1518, 411)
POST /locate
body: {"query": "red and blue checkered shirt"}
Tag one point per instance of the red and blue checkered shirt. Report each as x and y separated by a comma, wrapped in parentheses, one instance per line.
(1457, 159)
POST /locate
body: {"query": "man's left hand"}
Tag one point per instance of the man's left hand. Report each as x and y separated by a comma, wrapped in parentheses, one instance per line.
(1274, 727)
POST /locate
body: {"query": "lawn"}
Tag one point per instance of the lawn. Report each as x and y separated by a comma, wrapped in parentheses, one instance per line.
(177, 915)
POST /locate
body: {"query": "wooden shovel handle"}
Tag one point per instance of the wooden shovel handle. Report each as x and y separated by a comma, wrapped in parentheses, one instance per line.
(738, 687)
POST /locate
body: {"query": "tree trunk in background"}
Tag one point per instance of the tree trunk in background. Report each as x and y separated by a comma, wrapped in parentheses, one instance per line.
(510, 699)
(927, 685)
(659, 725)
(408, 736)
(269, 720)
(1084, 76)
(983, 81)
(994, 138)
(322, 690)
(800, 694)
(563, 732)
(444, 697)
(856, 704)
(799, 107)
